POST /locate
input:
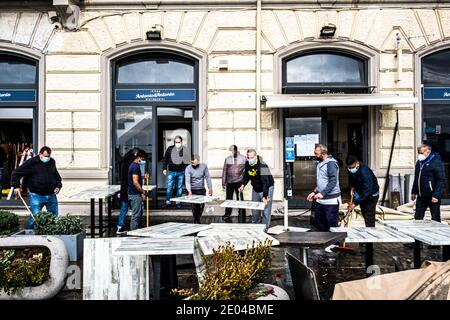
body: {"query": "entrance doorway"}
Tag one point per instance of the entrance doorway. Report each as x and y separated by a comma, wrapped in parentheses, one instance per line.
(342, 130)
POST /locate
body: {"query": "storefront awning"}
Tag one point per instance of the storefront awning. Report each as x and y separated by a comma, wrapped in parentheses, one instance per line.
(334, 100)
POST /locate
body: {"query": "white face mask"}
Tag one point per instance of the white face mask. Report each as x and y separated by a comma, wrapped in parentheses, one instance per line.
(178, 144)
(421, 157)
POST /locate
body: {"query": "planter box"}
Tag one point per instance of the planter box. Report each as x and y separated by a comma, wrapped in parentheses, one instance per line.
(73, 242)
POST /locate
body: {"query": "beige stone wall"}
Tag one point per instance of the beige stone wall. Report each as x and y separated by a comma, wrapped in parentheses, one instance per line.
(73, 87)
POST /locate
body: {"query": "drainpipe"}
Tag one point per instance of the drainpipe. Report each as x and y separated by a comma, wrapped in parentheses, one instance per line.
(258, 76)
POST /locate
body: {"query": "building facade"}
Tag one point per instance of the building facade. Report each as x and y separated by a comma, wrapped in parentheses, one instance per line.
(91, 79)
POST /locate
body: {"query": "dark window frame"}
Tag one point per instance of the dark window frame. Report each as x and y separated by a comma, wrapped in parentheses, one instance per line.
(326, 87)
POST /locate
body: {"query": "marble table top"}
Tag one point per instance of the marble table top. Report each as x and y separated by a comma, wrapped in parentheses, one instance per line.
(150, 187)
(96, 192)
(310, 239)
(216, 228)
(198, 199)
(155, 246)
(243, 204)
(426, 231)
(169, 230)
(241, 239)
(373, 234)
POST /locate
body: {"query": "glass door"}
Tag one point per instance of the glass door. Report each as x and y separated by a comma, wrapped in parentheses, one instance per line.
(305, 126)
(134, 128)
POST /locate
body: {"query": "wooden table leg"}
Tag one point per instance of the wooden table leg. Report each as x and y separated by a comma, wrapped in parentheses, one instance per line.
(100, 217)
(156, 267)
(417, 259)
(92, 218)
(369, 257)
(445, 253)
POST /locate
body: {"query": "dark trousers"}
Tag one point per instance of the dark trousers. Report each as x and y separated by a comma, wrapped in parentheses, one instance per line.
(327, 216)
(231, 188)
(368, 211)
(421, 206)
(197, 209)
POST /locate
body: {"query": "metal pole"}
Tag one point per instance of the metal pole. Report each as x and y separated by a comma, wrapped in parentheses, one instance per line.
(146, 200)
(286, 224)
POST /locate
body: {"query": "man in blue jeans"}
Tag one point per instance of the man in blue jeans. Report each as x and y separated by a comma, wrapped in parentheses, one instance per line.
(136, 194)
(176, 159)
(127, 159)
(2, 160)
(44, 182)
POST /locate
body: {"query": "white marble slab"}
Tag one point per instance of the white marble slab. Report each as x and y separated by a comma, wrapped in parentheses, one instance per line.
(426, 231)
(149, 188)
(96, 192)
(280, 229)
(237, 204)
(241, 239)
(155, 246)
(414, 224)
(216, 228)
(169, 230)
(197, 199)
(373, 235)
(110, 277)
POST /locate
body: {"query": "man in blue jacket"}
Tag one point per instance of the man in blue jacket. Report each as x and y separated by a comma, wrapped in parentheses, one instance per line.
(364, 188)
(429, 182)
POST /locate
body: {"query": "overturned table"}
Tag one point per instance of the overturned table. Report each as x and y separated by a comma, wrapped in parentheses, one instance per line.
(243, 204)
(427, 231)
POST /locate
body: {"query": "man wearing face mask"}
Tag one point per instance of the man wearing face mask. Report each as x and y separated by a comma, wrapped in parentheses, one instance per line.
(196, 174)
(327, 194)
(262, 182)
(136, 194)
(44, 182)
(176, 159)
(364, 188)
(429, 183)
(232, 175)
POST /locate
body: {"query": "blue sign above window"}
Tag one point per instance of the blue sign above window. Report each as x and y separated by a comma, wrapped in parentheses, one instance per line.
(436, 93)
(17, 95)
(155, 95)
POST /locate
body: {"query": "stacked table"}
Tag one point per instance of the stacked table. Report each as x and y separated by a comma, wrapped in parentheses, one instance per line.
(424, 231)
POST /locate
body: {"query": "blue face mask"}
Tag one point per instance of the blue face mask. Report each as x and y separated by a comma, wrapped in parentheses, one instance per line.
(352, 170)
(45, 159)
(142, 163)
(252, 161)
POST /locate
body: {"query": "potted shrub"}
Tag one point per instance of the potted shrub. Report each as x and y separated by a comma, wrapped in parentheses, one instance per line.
(68, 228)
(232, 275)
(9, 222)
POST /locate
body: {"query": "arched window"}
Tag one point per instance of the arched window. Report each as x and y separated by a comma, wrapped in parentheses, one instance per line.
(156, 70)
(16, 70)
(325, 72)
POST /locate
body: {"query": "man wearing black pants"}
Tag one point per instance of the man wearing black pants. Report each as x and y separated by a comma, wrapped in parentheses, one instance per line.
(365, 189)
(429, 183)
(195, 175)
(232, 176)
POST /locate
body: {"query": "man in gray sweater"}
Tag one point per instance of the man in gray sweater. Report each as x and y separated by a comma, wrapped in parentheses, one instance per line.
(195, 175)
(327, 194)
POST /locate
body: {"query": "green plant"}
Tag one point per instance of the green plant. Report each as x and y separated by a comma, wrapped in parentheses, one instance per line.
(45, 223)
(9, 222)
(49, 224)
(23, 268)
(231, 275)
(69, 225)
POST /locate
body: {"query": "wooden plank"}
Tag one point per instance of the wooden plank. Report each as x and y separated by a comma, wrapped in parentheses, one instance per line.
(111, 277)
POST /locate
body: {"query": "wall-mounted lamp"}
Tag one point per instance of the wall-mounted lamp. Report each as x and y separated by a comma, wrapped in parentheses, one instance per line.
(328, 31)
(154, 33)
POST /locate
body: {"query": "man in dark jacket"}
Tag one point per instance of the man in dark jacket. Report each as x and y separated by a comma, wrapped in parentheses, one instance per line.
(44, 182)
(232, 175)
(2, 160)
(429, 182)
(364, 188)
(262, 181)
(176, 159)
(127, 159)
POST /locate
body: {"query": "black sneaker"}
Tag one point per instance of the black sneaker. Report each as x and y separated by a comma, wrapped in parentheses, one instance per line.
(178, 206)
(226, 219)
(121, 231)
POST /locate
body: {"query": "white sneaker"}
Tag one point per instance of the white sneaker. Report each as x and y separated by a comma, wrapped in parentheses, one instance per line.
(121, 230)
